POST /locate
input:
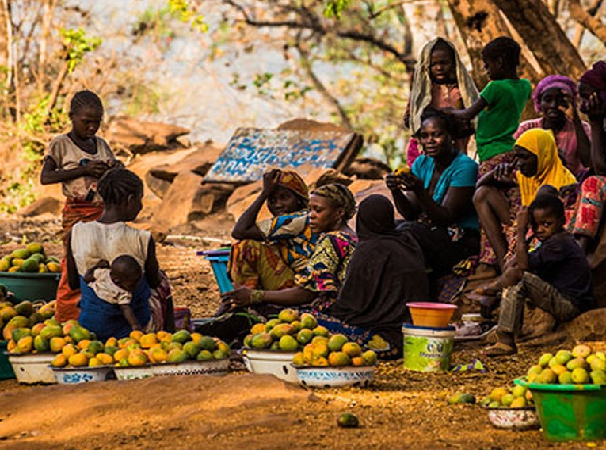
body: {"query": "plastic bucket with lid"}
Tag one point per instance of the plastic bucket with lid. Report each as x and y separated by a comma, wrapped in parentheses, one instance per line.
(427, 349)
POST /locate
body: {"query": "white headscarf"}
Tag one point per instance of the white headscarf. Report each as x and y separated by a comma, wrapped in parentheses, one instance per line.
(420, 96)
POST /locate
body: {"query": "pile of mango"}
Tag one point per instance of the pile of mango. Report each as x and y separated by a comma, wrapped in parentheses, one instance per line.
(139, 349)
(23, 315)
(515, 397)
(334, 351)
(48, 336)
(579, 366)
(30, 259)
(288, 333)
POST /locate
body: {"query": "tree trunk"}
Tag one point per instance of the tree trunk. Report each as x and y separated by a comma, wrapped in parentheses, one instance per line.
(544, 37)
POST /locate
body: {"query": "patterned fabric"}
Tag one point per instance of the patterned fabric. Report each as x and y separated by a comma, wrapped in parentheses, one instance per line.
(292, 181)
(336, 326)
(589, 209)
(340, 195)
(539, 293)
(73, 212)
(259, 265)
(158, 302)
(326, 269)
(292, 235)
(550, 169)
(487, 255)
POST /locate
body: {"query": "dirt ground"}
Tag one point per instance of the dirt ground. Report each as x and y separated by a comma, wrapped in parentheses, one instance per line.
(240, 410)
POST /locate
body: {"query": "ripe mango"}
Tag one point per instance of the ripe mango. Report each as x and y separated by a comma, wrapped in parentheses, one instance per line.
(59, 361)
(21, 253)
(208, 343)
(204, 355)
(176, 356)
(192, 349)
(288, 344)
(25, 344)
(181, 336)
(35, 247)
(56, 344)
(288, 315)
(78, 360)
(352, 349)
(308, 321)
(41, 344)
(338, 359)
(30, 265)
(348, 420)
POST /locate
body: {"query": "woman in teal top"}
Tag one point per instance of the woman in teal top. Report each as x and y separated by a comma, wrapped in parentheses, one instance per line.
(436, 197)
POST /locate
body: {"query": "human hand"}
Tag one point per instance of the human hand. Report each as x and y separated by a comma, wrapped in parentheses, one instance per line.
(239, 297)
(567, 106)
(411, 183)
(594, 108)
(101, 264)
(504, 173)
(96, 169)
(393, 182)
(270, 180)
(522, 220)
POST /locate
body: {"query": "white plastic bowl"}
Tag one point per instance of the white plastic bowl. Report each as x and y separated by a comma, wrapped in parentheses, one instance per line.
(213, 367)
(330, 377)
(31, 369)
(75, 375)
(276, 363)
(133, 373)
(514, 418)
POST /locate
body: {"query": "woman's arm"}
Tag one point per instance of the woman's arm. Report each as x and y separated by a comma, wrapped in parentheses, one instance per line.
(246, 226)
(468, 113)
(583, 141)
(51, 174)
(596, 114)
(72, 271)
(502, 175)
(152, 269)
(244, 296)
(521, 254)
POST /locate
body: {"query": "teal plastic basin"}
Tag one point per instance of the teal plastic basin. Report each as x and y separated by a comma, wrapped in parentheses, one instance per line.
(31, 286)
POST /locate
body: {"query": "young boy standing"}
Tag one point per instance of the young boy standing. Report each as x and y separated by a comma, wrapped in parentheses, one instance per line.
(555, 277)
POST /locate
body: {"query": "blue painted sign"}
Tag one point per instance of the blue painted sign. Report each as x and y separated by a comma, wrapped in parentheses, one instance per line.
(251, 151)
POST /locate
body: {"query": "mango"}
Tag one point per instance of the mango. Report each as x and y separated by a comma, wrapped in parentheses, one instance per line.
(320, 362)
(30, 265)
(59, 361)
(288, 315)
(519, 402)
(280, 330)
(336, 342)
(461, 399)
(69, 350)
(348, 420)
(53, 267)
(94, 362)
(192, 349)
(577, 363)
(79, 333)
(308, 321)
(95, 347)
(544, 359)
(358, 361)
(288, 344)
(24, 309)
(20, 333)
(137, 359)
(598, 376)
(352, 349)
(78, 360)
(261, 341)
(7, 313)
(298, 359)
(270, 324)
(14, 269)
(548, 376)
(220, 354)
(497, 394)
(565, 378)
(21, 253)
(507, 399)
(558, 369)
(35, 247)
(136, 334)
(181, 336)
(518, 391)
(321, 331)
(176, 356)
(370, 358)
(257, 328)
(25, 344)
(598, 364)
(159, 355)
(204, 355)
(581, 351)
(148, 340)
(208, 343)
(5, 264)
(338, 359)
(304, 336)
(41, 344)
(580, 376)
(247, 341)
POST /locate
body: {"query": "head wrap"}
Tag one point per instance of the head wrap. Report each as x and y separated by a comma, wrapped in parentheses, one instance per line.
(292, 181)
(554, 81)
(596, 78)
(340, 196)
(420, 95)
(550, 169)
(375, 218)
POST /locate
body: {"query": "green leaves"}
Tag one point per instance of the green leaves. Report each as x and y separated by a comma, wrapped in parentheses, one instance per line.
(334, 8)
(186, 13)
(77, 45)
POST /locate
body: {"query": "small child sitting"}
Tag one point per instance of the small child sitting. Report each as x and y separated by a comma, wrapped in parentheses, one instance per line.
(115, 284)
(556, 276)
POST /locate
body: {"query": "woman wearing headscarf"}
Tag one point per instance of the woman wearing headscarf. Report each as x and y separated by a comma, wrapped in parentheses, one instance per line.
(537, 164)
(271, 252)
(319, 280)
(555, 99)
(587, 218)
(441, 81)
(386, 271)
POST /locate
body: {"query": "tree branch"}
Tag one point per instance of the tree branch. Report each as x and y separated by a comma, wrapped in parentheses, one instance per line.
(587, 20)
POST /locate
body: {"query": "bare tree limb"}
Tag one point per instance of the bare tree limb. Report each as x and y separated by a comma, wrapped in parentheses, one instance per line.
(580, 29)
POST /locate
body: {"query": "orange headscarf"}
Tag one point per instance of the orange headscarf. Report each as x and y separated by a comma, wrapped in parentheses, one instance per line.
(550, 170)
(292, 181)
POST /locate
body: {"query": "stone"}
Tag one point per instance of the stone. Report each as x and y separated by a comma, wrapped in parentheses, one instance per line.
(589, 326)
(142, 137)
(367, 169)
(44, 205)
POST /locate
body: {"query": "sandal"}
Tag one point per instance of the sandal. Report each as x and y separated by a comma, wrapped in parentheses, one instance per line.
(500, 349)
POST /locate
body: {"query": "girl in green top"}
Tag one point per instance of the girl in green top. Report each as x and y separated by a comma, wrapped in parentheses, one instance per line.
(498, 110)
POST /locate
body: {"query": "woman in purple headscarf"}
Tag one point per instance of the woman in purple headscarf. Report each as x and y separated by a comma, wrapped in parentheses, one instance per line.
(555, 99)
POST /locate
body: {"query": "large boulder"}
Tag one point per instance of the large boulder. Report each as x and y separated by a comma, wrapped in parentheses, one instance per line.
(364, 168)
(143, 137)
(44, 205)
(588, 326)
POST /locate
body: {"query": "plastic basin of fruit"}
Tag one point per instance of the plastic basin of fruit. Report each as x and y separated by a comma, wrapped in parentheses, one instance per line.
(514, 418)
(213, 367)
(436, 315)
(570, 412)
(268, 362)
(75, 375)
(133, 373)
(331, 377)
(31, 286)
(32, 369)
(6, 370)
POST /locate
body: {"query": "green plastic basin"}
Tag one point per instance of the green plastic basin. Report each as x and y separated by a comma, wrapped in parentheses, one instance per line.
(570, 412)
(6, 368)
(31, 286)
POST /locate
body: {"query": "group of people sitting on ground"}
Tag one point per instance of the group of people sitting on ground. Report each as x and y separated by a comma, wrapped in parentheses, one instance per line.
(529, 212)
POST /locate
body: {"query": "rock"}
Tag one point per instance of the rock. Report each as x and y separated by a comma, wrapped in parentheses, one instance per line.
(142, 137)
(189, 199)
(365, 188)
(588, 326)
(243, 197)
(41, 206)
(537, 323)
(367, 169)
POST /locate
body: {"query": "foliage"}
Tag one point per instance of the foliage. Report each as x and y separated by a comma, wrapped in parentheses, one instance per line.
(77, 45)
